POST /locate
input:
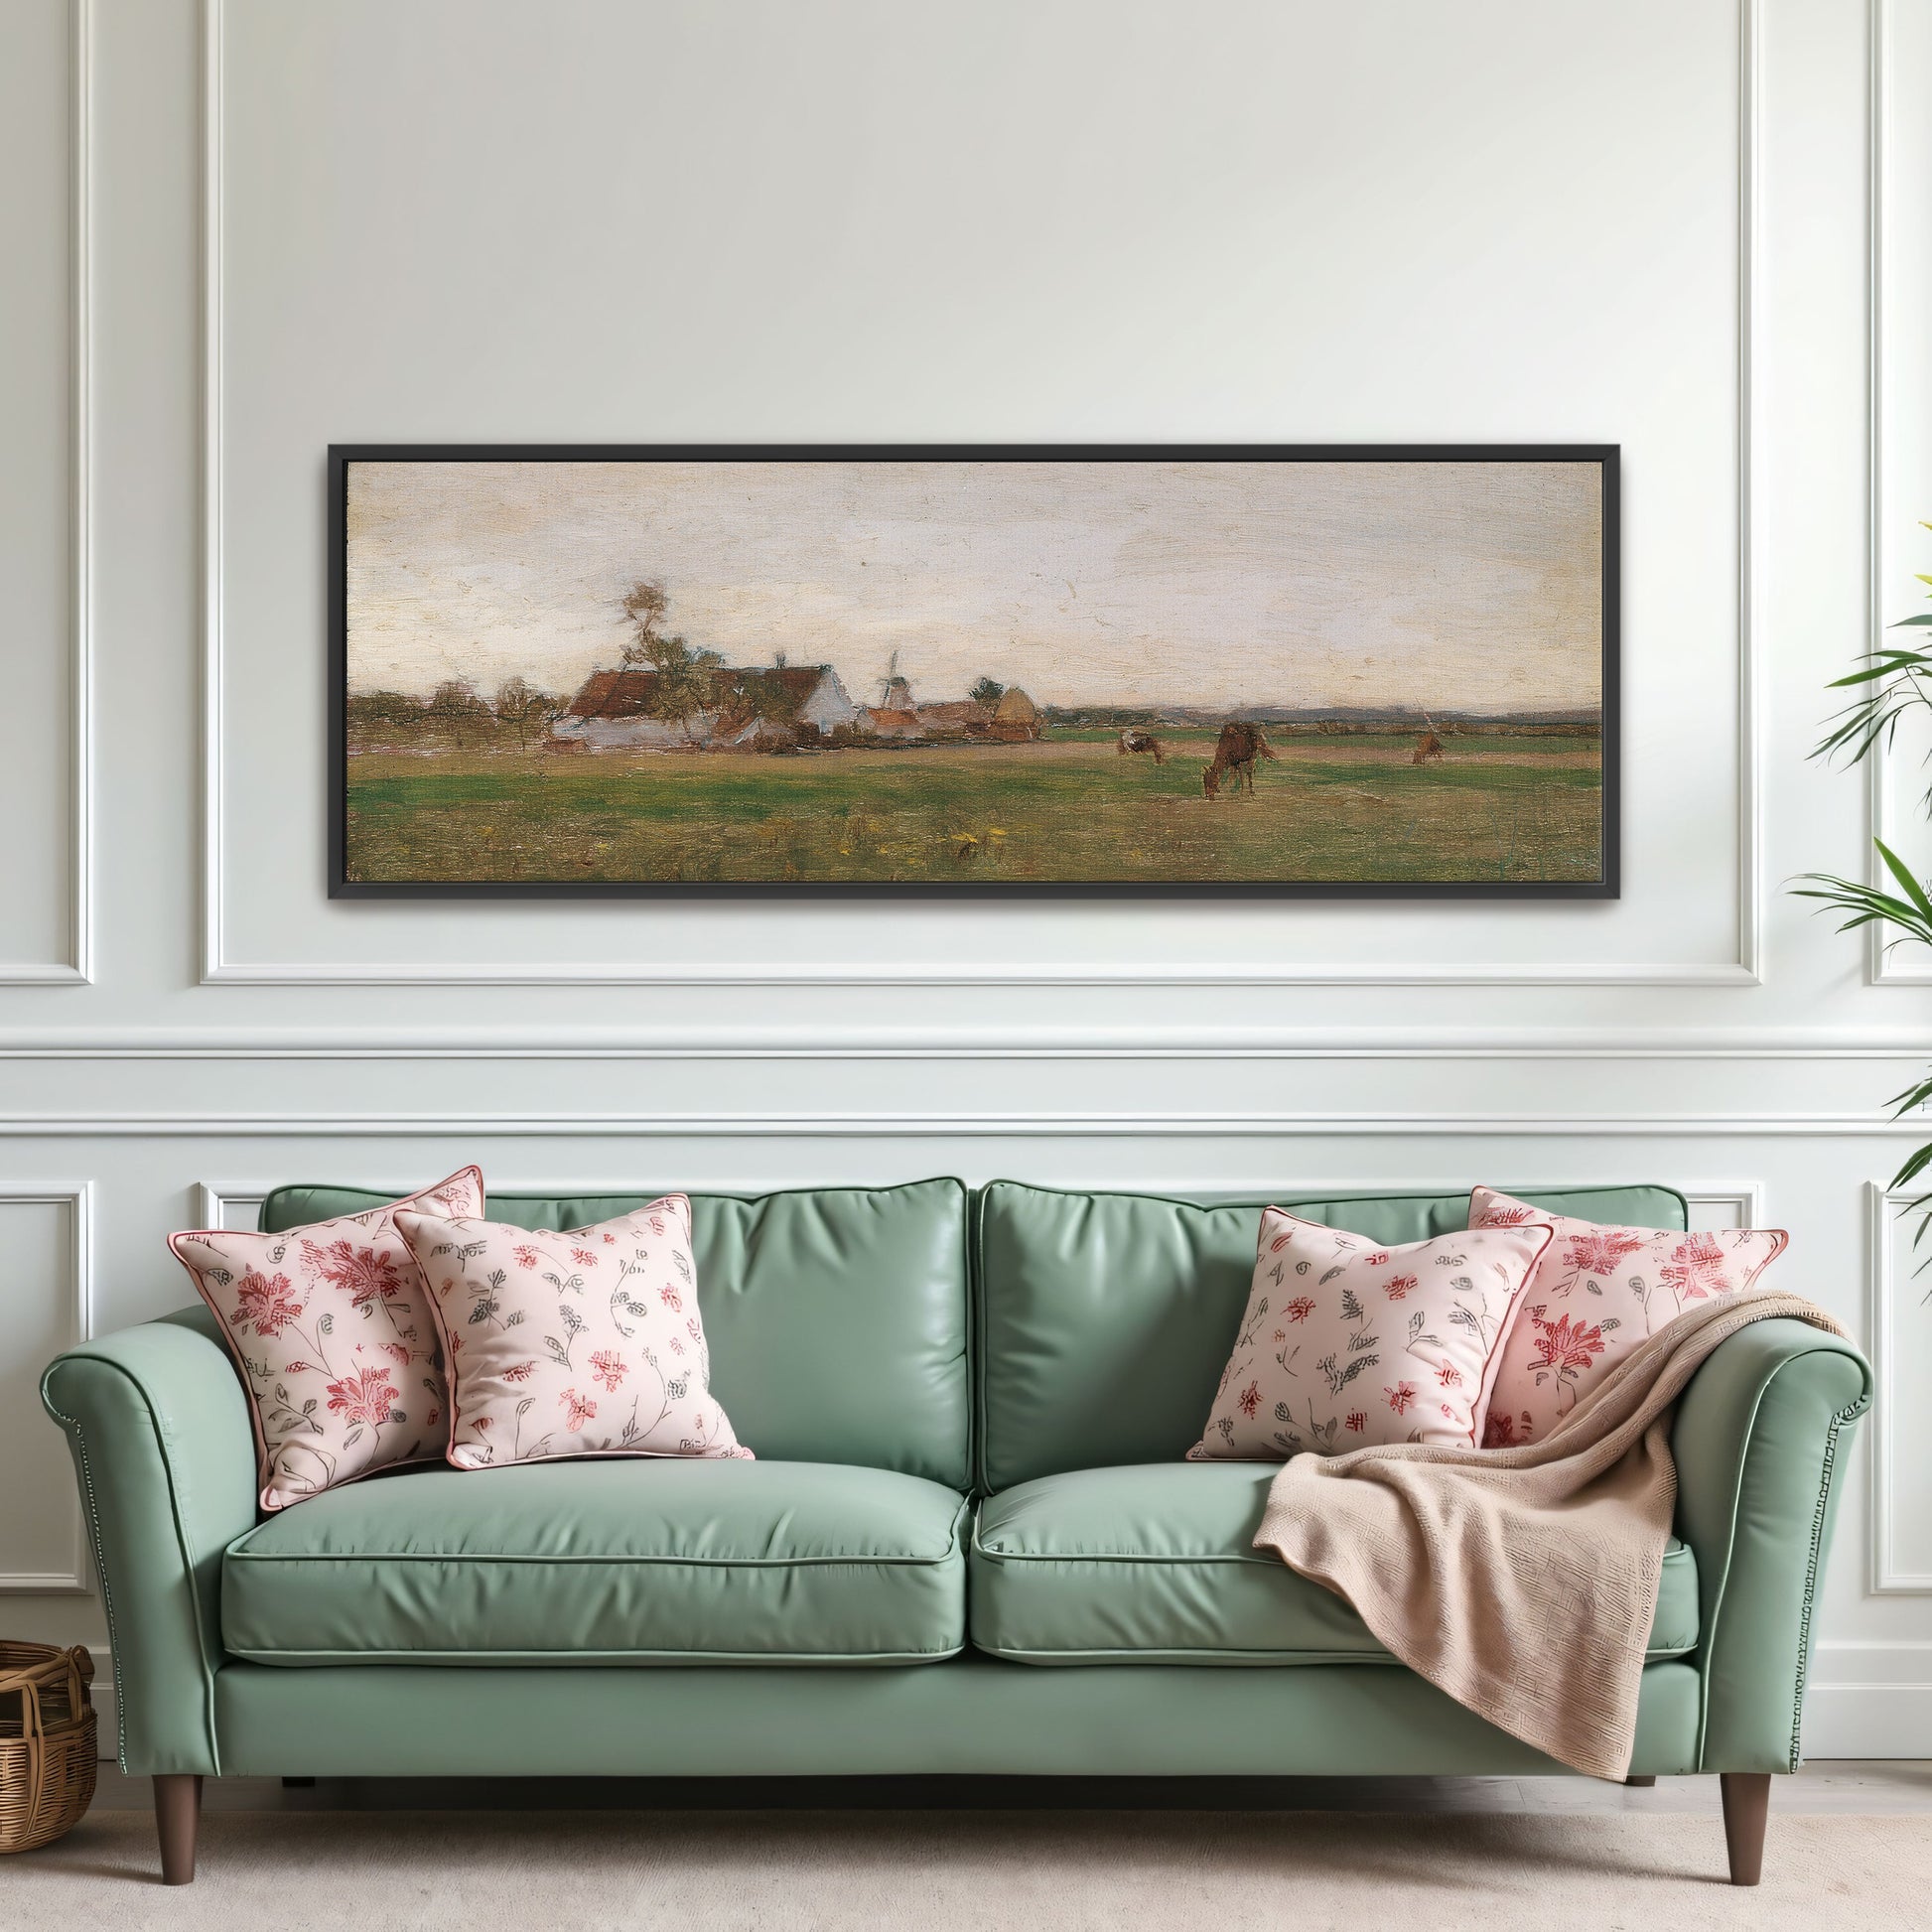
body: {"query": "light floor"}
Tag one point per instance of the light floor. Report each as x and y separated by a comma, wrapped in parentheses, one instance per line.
(323, 1867)
(1867, 1786)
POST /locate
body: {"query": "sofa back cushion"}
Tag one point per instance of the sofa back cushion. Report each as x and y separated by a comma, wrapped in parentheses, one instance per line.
(1105, 1320)
(836, 1317)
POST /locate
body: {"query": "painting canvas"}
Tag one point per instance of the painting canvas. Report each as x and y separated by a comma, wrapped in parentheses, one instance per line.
(625, 671)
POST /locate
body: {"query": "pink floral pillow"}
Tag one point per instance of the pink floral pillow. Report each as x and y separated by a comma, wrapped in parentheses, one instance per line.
(335, 1339)
(1598, 1294)
(581, 1344)
(1345, 1343)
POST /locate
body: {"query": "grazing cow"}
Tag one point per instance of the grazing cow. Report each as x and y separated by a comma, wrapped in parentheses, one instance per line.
(1429, 750)
(1133, 741)
(1241, 743)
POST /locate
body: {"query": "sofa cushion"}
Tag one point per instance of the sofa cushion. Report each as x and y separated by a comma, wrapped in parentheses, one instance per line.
(1105, 1320)
(1345, 1343)
(1634, 1281)
(587, 1342)
(630, 1562)
(1155, 1564)
(334, 1334)
(836, 1317)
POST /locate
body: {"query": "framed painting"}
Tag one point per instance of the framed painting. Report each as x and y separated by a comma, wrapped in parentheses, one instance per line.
(596, 670)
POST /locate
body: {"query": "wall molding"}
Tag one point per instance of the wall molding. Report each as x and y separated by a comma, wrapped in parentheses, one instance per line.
(1743, 1198)
(1884, 1207)
(1881, 967)
(79, 968)
(217, 969)
(1877, 174)
(1340, 1044)
(80, 693)
(211, 1199)
(869, 1125)
(857, 974)
(214, 19)
(1750, 801)
(78, 1199)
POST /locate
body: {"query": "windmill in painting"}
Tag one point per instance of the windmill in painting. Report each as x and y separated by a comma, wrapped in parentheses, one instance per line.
(595, 671)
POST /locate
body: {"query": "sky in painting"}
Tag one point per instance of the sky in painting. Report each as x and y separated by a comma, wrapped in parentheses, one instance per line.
(1447, 586)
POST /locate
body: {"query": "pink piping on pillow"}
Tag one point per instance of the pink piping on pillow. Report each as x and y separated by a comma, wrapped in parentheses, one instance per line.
(682, 1205)
(1494, 1365)
(437, 1193)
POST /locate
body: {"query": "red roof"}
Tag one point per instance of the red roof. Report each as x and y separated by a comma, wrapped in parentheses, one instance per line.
(626, 694)
(612, 694)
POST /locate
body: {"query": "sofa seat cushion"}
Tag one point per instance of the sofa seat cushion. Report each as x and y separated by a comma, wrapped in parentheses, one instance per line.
(621, 1561)
(1154, 1564)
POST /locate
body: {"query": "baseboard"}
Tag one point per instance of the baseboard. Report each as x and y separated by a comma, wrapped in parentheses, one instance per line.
(108, 1719)
(1869, 1700)
(1869, 1720)
(101, 1691)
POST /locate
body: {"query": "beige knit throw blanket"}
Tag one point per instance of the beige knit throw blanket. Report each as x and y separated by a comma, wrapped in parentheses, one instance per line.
(1522, 1581)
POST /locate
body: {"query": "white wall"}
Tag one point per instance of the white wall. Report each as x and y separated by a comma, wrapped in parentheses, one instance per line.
(234, 237)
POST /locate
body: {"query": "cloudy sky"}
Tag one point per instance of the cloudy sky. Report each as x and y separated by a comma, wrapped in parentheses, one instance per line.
(1449, 586)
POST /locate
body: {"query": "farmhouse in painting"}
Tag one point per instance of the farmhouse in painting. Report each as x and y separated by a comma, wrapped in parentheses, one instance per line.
(955, 718)
(1011, 719)
(622, 711)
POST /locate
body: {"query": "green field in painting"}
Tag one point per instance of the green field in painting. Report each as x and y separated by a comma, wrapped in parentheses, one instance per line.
(1498, 808)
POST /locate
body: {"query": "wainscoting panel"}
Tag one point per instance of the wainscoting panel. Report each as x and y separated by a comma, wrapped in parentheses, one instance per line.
(1901, 1425)
(218, 1206)
(1900, 435)
(46, 1233)
(46, 488)
(1686, 582)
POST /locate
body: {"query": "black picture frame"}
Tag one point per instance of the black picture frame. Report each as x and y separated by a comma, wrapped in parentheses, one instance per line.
(340, 455)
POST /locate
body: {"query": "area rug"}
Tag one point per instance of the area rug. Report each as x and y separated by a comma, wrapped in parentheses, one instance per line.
(992, 1871)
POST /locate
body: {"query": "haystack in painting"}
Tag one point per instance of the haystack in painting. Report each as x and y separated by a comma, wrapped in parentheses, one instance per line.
(1015, 719)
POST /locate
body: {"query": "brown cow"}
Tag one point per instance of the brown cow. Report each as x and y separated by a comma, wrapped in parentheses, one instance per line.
(1241, 743)
(1133, 741)
(1429, 750)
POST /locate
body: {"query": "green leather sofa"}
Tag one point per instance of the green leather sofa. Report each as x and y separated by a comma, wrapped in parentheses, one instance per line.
(968, 1543)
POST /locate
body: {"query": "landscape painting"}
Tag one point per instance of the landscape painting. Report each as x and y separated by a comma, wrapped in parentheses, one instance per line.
(1339, 670)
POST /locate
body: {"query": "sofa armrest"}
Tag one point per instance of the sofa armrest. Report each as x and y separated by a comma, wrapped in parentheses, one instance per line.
(165, 1453)
(1757, 1438)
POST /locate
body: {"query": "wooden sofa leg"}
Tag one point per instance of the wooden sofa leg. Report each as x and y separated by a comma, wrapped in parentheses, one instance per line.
(1747, 1803)
(177, 1814)
(1641, 1784)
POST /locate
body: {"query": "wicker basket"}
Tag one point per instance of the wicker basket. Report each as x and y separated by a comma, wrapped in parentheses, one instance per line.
(46, 1742)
